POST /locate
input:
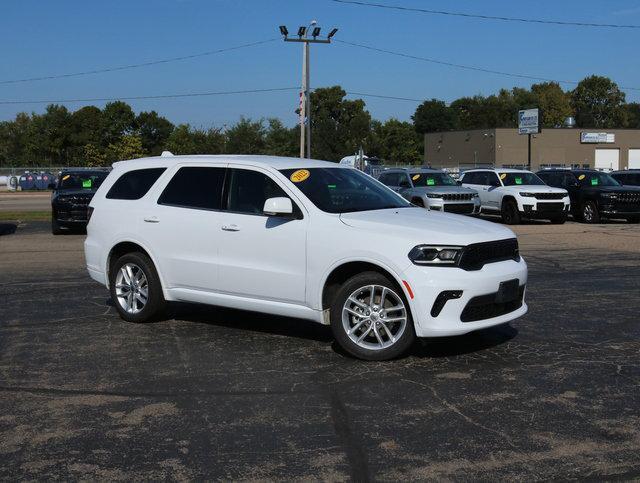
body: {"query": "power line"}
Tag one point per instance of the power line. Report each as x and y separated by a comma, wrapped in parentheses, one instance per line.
(136, 98)
(135, 66)
(467, 67)
(488, 17)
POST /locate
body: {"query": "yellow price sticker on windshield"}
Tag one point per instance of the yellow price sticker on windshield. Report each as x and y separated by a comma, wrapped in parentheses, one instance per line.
(66, 177)
(300, 175)
(415, 177)
(582, 176)
(503, 175)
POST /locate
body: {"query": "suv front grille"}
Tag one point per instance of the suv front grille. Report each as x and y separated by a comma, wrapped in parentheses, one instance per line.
(486, 307)
(550, 207)
(460, 208)
(549, 196)
(458, 197)
(476, 256)
(631, 198)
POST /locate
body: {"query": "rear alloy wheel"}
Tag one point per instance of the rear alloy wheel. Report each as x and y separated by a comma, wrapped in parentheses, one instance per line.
(135, 288)
(510, 213)
(590, 213)
(370, 318)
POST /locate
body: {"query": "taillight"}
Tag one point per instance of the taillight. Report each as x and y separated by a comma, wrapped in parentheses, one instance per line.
(89, 212)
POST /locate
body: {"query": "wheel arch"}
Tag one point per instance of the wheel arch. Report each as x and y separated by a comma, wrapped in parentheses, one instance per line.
(128, 246)
(506, 198)
(346, 269)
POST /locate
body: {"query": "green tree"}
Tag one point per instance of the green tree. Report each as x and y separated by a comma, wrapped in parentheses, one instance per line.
(338, 126)
(119, 120)
(598, 103)
(434, 116)
(281, 140)
(87, 128)
(633, 115)
(94, 155)
(185, 140)
(154, 130)
(128, 146)
(554, 103)
(246, 137)
(395, 141)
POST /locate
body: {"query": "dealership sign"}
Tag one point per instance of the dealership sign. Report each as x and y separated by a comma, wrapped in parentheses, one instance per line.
(528, 121)
(597, 137)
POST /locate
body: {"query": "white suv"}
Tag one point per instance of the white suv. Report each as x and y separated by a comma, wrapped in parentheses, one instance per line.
(298, 238)
(517, 194)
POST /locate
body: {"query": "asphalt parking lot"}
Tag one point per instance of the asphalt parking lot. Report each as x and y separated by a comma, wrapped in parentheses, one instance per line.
(221, 394)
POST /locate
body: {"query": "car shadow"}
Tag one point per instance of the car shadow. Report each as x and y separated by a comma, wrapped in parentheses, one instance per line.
(250, 321)
(305, 329)
(477, 341)
(8, 228)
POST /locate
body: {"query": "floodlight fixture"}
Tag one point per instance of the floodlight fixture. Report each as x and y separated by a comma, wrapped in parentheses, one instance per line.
(316, 32)
(283, 30)
(302, 31)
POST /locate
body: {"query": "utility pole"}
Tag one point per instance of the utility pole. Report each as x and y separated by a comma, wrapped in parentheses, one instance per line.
(305, 93)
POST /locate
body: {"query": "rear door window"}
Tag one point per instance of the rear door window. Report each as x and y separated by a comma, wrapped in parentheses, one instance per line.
(133, 185)
(195, 187)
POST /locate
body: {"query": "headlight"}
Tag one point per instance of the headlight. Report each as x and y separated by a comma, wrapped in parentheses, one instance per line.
(62, 199)
(527, 194)
(475, 195)
(433, 195)
(611, 196)
(435, 255)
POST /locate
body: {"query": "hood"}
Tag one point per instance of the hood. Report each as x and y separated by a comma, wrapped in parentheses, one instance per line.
(86, 193)
(616, 189)
(537, 188)
(421, 226)
(444, 190)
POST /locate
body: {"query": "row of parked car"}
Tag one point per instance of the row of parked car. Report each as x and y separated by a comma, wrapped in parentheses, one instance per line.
(517, 194)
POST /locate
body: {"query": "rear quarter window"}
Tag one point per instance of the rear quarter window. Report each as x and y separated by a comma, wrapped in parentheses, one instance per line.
(133, 185)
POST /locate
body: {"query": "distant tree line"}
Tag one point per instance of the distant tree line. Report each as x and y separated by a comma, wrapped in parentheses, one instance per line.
(92, 136)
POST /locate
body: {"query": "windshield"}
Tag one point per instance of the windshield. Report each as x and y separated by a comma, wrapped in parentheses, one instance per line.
(432, 179)
(596, 179)
(517, 179)
(89, 181)
(339, 190)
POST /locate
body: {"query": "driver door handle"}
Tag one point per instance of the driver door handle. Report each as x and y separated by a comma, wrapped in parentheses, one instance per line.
(151, 219)
(231, 227)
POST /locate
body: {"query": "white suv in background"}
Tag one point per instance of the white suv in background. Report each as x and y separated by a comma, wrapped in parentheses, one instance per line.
(298, 238)
(517, 194)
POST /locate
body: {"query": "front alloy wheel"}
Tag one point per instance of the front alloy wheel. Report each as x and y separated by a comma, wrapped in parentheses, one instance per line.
(370, 318)
(590, 212)
(374, 317)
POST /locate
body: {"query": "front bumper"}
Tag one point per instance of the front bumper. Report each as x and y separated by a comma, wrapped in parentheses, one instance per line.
(532, 208)
(464, 207)
(615, 208)
(428, 282)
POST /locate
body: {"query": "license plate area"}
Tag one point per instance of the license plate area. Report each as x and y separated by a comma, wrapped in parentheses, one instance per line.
(507, 291)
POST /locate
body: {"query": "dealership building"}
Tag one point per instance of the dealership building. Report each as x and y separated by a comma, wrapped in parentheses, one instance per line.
(612, 149)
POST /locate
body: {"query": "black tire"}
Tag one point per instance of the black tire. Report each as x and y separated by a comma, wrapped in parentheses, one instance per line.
(510, 213)
(558, 220)
(589, 212)
(418, 202)
(360, 281)
(55, 226)
(633, 219)
(155, 305)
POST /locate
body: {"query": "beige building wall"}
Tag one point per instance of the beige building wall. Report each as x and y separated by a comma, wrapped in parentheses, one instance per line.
(507, 147)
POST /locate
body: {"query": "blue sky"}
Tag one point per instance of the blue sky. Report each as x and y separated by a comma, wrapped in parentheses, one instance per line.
(48, 38)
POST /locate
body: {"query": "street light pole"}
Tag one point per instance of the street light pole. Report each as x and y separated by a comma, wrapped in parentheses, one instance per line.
(305, 92)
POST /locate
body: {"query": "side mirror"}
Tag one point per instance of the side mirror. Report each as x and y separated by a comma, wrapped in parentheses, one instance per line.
(459, 182)
(51, 186)
(278, 206)
(404, 184)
